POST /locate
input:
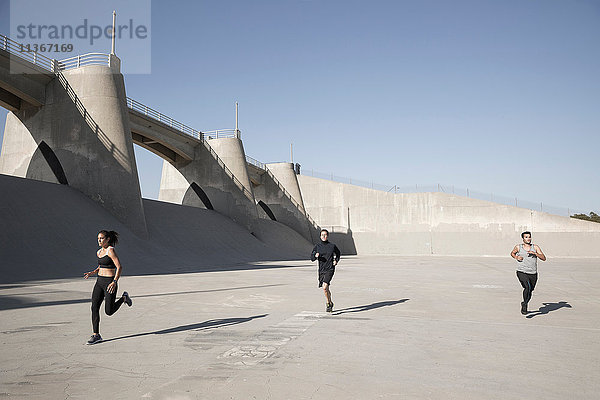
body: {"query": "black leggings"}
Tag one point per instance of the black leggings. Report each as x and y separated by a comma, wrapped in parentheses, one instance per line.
(101, 293)
(528, 282)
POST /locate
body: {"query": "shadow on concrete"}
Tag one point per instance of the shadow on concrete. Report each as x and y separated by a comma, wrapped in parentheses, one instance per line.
(32, 328)
(182, 239)
(368, 307)
(12, 286)
(53, 162)
(207, 291)
(14, 302)
(548, 307)
(344, 241)
(201, 326)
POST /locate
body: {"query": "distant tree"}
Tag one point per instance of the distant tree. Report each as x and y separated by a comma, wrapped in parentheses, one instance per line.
(593, 217)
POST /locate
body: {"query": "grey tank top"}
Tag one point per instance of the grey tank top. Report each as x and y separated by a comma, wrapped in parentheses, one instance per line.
(529, 263)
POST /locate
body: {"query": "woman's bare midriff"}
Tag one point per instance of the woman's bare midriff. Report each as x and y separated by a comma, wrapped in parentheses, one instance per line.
(108, 272)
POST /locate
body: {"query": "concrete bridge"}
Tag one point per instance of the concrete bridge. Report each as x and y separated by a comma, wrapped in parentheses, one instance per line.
(72, 123)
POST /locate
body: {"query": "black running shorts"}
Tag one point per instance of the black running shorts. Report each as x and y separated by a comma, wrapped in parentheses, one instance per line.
(325, 277)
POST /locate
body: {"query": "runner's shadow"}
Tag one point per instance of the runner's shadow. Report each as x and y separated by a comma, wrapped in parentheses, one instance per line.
(547, 307)
(201, 326)
(368, 307)
(19, 300)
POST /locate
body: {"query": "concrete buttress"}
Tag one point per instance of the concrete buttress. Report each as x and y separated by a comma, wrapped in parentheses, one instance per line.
(285, 174)
(80, 137)
(215, 179)
(278, 194)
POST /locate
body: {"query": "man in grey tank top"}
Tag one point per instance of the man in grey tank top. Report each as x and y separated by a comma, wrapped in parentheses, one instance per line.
(527, 255)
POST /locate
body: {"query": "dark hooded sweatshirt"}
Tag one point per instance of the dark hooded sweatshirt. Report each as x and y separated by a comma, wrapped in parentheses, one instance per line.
(327, 251)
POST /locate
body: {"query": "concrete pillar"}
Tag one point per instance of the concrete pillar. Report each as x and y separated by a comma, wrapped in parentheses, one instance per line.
(285, 207)
(206, 183)
(284, 173)
(231, 151)
(80, 137)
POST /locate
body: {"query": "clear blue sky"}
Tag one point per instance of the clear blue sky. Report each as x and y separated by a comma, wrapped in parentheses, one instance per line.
(497, 96)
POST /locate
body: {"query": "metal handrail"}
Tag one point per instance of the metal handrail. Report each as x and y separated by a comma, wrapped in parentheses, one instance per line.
(49, 64)
(188, 130)
(294, 202)
(55, 66)
(256, 163)
(33, 57)
(202, 136)
(289, 196)
(237, 182)
(160, 117)
(264, 167)
(221, 133)
(83, 60)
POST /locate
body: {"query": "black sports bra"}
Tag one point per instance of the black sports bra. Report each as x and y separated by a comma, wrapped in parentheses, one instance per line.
(106, 262)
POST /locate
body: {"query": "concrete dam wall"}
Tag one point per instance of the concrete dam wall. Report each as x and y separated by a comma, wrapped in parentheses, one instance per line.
(76, 127)
(440, 224)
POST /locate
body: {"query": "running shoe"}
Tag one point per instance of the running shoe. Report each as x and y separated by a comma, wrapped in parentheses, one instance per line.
(127, 299)
(524, 308)
(95, 338)
(329, 307)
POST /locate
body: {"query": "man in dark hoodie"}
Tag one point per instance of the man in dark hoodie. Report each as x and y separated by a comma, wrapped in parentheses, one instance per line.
(328, 255)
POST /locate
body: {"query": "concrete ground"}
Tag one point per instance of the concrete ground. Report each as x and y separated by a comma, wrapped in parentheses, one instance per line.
(403, 328)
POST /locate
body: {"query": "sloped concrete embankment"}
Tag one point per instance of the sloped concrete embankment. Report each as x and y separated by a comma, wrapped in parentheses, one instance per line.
(49, 232)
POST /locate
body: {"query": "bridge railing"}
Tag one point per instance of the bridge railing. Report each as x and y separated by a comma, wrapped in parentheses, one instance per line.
(202, 136)
(256, 163)
(237, 182)
(83, 60)
(221, 133)
(160, 117)
(294, 202)
(49, 64)
(17, 49)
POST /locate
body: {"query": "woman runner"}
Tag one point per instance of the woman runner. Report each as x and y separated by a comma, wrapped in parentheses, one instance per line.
(109, 271)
